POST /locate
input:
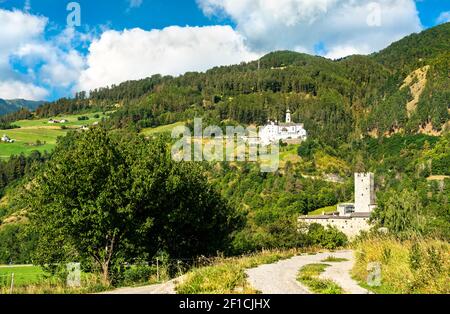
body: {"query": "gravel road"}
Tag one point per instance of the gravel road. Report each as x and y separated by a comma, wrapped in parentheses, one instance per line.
(277, 278)
(280, 277)
(163, 288)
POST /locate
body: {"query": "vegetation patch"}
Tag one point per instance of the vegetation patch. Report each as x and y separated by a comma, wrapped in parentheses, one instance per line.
(308, 275)
(29, 279)
(410, 266)
(334, 259)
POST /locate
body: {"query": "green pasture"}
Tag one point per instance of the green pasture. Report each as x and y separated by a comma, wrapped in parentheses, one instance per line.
(31, 131)
(161, 129)
(23, 275)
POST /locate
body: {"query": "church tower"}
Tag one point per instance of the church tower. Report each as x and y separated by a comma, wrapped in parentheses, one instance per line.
(288, 116)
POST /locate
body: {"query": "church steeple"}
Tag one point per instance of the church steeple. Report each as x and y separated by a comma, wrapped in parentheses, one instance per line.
(288, 116)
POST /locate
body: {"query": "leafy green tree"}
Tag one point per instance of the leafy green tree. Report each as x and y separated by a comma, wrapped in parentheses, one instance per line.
(400, 212)
(107, 198)
(16, 244)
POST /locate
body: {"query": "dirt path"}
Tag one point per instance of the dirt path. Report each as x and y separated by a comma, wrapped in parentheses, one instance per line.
(163, 288)
(280, 278)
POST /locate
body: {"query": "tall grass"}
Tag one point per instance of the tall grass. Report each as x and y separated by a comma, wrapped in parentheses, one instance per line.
(410, 266)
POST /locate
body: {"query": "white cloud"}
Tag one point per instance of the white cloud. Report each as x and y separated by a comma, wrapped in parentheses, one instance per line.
(60, 68)
(11, 89)
(134, 54)
(444, 17)
(341, 51)
(50, 63)
(339, 27)
(343, 26)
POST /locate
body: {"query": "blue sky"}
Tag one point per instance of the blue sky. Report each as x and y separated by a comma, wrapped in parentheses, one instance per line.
(42, 58)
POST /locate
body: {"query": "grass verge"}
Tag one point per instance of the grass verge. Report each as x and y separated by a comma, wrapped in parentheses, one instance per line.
(334, 259)
(308, 275)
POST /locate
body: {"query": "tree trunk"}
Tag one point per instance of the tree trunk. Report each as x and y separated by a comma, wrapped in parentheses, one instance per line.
(105, 273)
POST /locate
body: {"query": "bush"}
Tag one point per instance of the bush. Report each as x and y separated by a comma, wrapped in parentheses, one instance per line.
(136, 274)
(83, 118)
(329, 238)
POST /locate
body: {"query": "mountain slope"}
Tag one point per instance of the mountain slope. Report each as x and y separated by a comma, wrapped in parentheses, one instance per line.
(7, 106)
(338, 101)
(416, 50)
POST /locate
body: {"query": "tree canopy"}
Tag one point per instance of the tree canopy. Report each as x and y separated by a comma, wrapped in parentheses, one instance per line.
(106, 198)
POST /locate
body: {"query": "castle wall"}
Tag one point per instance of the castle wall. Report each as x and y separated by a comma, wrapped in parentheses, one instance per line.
(351, 227)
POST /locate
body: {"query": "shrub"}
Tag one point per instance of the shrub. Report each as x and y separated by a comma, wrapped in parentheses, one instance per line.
(329, 238)
(136, 274)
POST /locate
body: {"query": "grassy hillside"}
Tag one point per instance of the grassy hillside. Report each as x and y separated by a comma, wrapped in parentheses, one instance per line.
(38, 134)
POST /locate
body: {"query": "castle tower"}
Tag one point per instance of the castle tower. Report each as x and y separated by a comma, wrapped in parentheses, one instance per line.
(288, 116)
(364, 192)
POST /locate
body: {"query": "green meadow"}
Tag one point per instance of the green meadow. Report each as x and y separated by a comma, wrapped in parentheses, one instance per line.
(23, 275)
(39, 134)
(161, 129)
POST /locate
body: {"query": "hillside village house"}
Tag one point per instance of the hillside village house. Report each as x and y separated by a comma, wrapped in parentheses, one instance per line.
(6, 139)
(287, 132)
(351, 218)
(53, 121)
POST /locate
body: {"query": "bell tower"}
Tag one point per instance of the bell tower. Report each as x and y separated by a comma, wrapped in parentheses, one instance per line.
(288, 116)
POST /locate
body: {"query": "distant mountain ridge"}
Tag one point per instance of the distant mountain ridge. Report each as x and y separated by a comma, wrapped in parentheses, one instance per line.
(11, 105)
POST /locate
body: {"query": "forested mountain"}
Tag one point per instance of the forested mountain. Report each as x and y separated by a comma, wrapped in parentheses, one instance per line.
(403, 88)
(7, 106)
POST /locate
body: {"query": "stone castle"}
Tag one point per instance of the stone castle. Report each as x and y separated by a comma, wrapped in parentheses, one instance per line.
(351, 218)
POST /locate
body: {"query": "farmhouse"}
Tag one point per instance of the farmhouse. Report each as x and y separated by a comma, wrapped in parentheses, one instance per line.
(6, 139)
(288, 132)
(351, 218)
(54, 121)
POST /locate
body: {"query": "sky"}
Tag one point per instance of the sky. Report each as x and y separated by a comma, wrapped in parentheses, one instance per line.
(54, 48)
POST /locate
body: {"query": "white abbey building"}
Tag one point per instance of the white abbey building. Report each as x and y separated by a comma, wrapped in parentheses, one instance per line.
(351, 218)
(274, 131)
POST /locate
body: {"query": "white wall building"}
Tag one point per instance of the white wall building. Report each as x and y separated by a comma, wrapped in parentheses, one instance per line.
(274, 131)
(5, 138)
(351, 218)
